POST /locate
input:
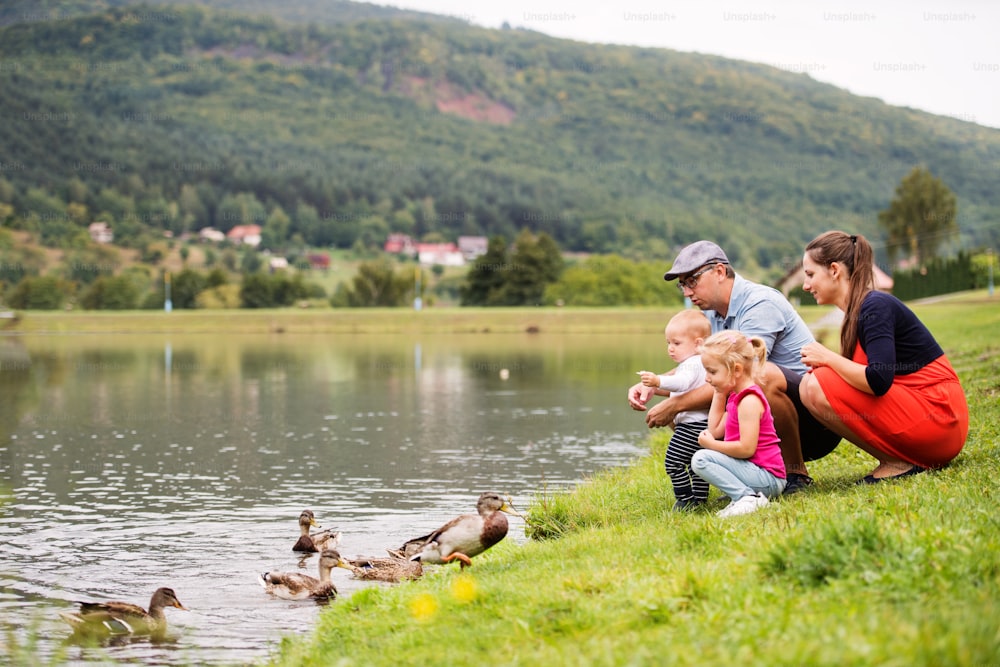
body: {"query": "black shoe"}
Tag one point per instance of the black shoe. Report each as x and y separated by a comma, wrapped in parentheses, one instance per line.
(796, 482)
(688, 505)
(871, 479)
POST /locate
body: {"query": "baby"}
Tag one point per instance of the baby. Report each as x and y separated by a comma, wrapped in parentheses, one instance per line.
(685, 332)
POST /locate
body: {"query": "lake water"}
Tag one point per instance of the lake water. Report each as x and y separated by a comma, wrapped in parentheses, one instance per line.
(133, 462)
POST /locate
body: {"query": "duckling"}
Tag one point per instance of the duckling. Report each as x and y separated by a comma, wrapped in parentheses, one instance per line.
(393, 569)
(325, 539)
(108, 619)
(298, 586)
(463, 537)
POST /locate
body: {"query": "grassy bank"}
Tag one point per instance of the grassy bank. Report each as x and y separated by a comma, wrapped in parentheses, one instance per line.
(357, 320)
(902, 573)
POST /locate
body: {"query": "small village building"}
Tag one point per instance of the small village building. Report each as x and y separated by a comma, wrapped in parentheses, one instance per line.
(100, 232)
(398, 244)
(445, 254)
(319, 260)
(472, 247)
(211, 235)
(245, 235)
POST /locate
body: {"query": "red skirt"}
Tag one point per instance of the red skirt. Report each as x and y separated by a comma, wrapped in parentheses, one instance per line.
(922, 419)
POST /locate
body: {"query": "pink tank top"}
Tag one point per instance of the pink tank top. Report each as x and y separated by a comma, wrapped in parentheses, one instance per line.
(768, 454)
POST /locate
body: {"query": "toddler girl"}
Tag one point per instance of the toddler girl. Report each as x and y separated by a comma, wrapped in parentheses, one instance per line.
(740, 452)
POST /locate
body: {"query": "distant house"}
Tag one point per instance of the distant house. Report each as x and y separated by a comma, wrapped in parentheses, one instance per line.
(794, 278)
(399, 244)
(277, 263)
(472, 247)
(319, 260)
(445, 254)
(100, 232)
(245, 234)
(211, 235)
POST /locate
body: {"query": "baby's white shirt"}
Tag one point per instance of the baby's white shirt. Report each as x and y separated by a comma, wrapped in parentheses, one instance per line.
(689, 374)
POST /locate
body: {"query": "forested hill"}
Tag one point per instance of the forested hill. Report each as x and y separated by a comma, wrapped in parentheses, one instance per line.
(180, 117)
(321, 12)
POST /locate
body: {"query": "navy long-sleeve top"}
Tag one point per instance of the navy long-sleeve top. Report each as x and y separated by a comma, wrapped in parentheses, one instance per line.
(895, 340)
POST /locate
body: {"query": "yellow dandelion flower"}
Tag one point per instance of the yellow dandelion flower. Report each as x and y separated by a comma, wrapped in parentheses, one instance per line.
(423, 607)
(463, 588)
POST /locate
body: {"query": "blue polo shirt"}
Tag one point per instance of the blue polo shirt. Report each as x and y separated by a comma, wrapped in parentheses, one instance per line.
(759, 310)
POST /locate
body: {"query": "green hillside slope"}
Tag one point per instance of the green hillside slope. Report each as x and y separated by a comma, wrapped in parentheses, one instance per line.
(183, 117)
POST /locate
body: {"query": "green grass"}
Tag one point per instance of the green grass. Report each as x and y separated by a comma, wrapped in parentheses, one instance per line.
(903, 573)
(354, 320)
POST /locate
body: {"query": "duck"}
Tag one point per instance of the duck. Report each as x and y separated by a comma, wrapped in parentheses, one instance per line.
(110, 619)
(392, 569)
(463, 537)
(316, 542)
(298, 586)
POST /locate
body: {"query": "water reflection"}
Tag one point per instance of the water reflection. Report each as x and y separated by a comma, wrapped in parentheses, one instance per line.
(133, 462)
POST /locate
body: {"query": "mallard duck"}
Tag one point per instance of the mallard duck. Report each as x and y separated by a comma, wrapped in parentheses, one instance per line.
(325, 539)
(298, 586)
(114, 618)
(393, 569)
(463, 537)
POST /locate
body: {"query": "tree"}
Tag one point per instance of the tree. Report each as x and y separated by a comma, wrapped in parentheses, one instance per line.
(185, 287)
(16, 262)
(257, 291)
(86, 264)
(274, 234)
(222, 296)
(39, 293)
(537, 263)
(287, 289)
(376, 284)
(920, 217)
(111, 293)
(485, 281)
(518, 278)
(250, 261)
(612, 280)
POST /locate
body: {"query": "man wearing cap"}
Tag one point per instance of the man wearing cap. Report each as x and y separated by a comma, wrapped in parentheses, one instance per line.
(730, 302)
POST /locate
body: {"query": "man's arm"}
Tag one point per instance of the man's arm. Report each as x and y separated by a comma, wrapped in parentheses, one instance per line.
(664, 412)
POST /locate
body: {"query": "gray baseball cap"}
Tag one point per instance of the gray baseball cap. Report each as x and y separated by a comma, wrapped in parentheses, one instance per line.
(693, 256)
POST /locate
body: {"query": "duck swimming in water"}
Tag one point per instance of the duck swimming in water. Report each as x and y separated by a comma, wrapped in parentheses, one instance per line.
(110, 619)
(315, 542)
(298, 586)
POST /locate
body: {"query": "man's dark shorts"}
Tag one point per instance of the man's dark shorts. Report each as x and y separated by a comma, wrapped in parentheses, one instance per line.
(817, 440)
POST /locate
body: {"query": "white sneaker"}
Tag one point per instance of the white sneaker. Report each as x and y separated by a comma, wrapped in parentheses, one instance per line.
(744, 505)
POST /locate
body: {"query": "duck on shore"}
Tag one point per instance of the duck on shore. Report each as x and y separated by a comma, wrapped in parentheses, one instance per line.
(392, 569)
(463, 537)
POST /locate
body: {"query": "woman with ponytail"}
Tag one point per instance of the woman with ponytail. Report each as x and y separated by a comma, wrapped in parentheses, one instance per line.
(891, 391)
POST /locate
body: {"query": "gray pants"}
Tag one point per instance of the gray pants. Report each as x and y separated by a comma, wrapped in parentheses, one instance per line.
(735, 477)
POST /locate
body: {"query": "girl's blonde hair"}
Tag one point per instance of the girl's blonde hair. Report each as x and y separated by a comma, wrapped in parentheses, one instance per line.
(732, 347)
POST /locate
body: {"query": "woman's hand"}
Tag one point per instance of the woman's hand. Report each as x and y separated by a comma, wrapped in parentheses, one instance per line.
(815, 355)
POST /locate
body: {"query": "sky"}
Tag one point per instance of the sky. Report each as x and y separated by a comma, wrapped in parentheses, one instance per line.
(941, 57)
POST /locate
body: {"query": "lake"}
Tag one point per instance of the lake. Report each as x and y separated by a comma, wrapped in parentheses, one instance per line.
(130, 462)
